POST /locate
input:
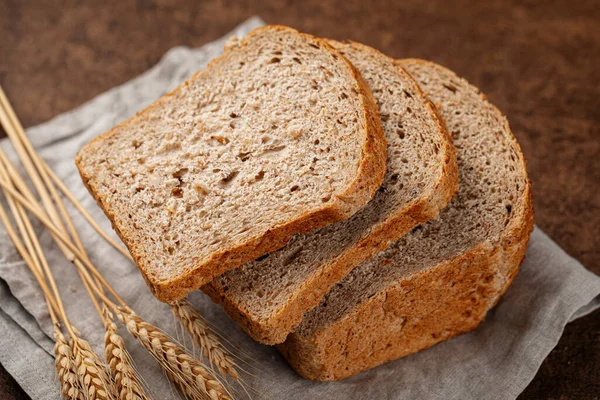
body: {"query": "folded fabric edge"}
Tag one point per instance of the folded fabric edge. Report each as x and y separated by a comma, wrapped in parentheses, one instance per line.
(24, 319)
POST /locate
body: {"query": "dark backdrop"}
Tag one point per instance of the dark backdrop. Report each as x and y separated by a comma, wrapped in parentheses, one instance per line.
(538, 61)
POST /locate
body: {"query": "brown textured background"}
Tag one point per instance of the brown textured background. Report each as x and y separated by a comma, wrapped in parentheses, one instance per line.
(538, 61)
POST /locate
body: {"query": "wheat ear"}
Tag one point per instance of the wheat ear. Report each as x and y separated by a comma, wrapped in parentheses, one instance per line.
(209, 343)
(193, 378)
(92, 374)
(121, 365)
(65, 367)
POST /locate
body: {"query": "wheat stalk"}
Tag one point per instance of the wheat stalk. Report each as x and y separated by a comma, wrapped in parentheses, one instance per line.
(81, 372)
(121, 365)
(92, 374)
(194, 379)
(209, 343)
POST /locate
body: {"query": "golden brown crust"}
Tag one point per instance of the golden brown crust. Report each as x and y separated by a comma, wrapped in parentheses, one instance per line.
(467, 285)
(275, 329)
(368, 178)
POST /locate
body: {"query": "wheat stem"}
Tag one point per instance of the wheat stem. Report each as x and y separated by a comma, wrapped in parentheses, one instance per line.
(61, 186)
(89, 369)
(78, 360)
(18, 138)
(28, 259)
(73, 254)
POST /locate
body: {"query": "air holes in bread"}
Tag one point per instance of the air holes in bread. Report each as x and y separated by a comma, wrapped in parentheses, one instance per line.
(177, 192)
(222, 140)
(450, 87)
(229, 177)
(275, 149)
(180, 173)
(200, 189)
(275, 60)
(244, 156)
(291, 257)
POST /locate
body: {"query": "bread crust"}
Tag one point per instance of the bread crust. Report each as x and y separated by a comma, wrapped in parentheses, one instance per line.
(275, 329)
(369, 177)
(364, 338)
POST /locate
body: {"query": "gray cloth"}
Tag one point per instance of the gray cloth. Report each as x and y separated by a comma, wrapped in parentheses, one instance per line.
(496, 361)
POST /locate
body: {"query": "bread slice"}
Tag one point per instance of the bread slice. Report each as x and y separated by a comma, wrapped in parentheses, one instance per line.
(277, 136)
(268, 296)
(441, 279)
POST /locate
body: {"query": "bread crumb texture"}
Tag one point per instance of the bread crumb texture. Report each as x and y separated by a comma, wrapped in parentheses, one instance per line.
(269, 296)
(442, 278)
(277, 136)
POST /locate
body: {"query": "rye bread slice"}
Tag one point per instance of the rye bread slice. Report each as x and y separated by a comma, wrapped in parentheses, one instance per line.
(279, 135)
(269, 296)
(441, 279)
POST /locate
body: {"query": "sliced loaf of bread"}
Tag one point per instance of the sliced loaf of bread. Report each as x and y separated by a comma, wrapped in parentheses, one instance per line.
(269, 296)
(277, 136)
(441, 279)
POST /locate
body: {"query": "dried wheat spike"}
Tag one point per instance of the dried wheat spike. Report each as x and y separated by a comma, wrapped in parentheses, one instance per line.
(128, 385)
(209, 343)
(92, 374)
(65, 367)
(193, 378)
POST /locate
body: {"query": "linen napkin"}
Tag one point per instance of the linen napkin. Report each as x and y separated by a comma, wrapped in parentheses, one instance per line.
(496, 361)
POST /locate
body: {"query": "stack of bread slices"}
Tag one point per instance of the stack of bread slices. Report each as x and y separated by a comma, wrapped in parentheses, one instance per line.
(345, 206)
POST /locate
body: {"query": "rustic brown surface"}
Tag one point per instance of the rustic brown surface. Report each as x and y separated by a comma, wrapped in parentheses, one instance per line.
(537, 61)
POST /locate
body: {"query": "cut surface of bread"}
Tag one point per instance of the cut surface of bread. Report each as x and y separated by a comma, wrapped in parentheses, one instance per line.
(279, 135)
(442, 278)
(268, 297)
